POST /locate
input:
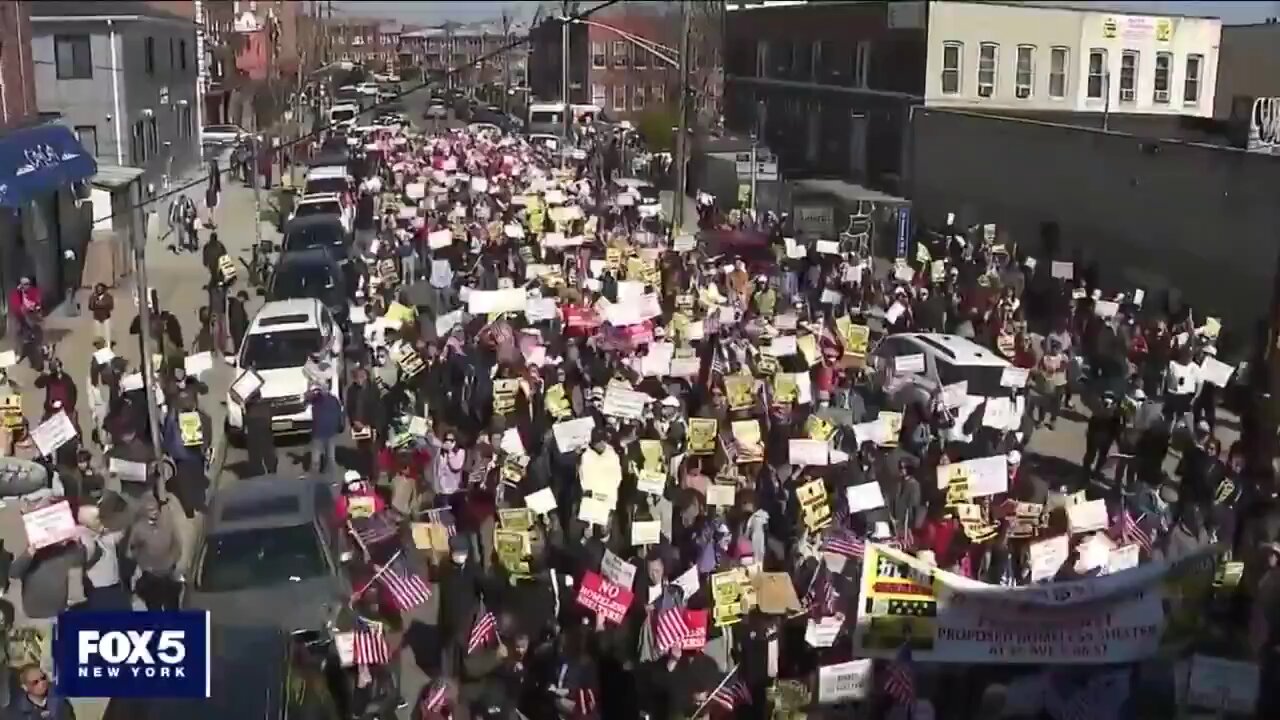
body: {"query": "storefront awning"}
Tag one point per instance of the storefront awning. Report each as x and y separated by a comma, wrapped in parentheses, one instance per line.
(36, 160)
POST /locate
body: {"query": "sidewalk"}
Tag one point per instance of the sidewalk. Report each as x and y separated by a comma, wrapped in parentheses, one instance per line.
(179, 280)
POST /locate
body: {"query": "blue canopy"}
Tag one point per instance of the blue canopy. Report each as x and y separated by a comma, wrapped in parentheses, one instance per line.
(36, 160)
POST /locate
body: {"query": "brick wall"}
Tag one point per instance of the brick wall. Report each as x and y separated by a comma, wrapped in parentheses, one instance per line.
(18, 99)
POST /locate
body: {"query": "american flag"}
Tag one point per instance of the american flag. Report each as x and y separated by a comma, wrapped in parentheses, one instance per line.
(900, 678)
(1101, 697)
(584, 702)
(483, 632)
(731, 694)
(717, 365)
(435, 698)
(370, 645)
(444, 516)
(407, 588)
(844, 542)
(670, 628)
(1129, 531)
(375, 529)
(821, 596)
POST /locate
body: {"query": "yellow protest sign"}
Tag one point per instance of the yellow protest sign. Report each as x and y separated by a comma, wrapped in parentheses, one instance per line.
(512, 548)
(513, 467)
(818, 429)
(892, 422)
(361, 506)
(746, 436)
(854, 337)
(653, 471)
(766, 364)
(702, 436)
(504, 395)
(190, 428)
(516, 519)
(815, 509)
(807, 345)
(557, 403)
(785, 388)
(897, 604)
(11, 410)
(739, 390)
(613, 258)
(726, 591)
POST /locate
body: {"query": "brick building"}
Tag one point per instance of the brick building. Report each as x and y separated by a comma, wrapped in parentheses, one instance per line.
(17, 75)
(476, 51)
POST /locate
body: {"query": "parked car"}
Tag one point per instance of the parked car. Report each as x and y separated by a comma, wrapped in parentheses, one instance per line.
(646, 197)
(948, 359)
(324, 205)
(280, 338)
(272, 554)
(315, 272)
(229, 134)
(437, 110)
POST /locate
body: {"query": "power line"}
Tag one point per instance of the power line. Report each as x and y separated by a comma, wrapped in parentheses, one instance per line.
(425, 84)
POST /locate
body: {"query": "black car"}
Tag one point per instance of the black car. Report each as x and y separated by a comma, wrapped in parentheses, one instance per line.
(312, 272)
(305, 232)
(256, 672)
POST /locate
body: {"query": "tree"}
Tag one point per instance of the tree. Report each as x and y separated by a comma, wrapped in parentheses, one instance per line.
(657, 127)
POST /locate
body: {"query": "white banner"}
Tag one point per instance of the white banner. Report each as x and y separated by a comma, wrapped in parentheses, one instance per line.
(625, 404)
(844, 681)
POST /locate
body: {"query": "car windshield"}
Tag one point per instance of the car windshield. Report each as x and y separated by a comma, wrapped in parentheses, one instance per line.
(222, 128)
(261, 557)
(329, 207)
(281, 349)
(342, 115)
(549, 117)
(305, 280)
(324, 185)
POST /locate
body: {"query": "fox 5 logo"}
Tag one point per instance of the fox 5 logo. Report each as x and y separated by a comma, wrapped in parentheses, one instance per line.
(142, 654)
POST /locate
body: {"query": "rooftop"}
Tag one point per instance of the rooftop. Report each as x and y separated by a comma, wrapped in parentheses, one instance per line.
(1100, 7)
(87, 9)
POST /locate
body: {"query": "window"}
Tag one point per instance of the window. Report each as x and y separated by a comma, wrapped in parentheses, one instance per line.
(1128, 75)
(637, 101)
(762, 58)
(188, 124)
(659, 94)
(952, 57)
(88, 136)
(149, 55)
(862, 63)
(641, 59)
(153, 136)
(1097, 73)
(620, 98)
(815, 59)
(182, 54)
(73, 57)
(599, 94)
(988, 57)
(802, 60)
(138, 144)
(1164, 65)
(1191, 83)
(620, 53)
(1024, 71)
(173, 54)
(598, 59)
(1058, 72)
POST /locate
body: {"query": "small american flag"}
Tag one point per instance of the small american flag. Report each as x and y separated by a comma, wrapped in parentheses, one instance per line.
(584, 702)
(375, 529)
(717, 365)
(370, 644)
(435, 698)
(1130, 532)
(407, 589)
(821, 596)
(731, 694)
(844, 542)
(900, 678)
(483, 632)
(670, 628)
(444, 516)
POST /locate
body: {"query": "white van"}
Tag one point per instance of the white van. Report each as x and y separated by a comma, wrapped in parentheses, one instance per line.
(343, 114)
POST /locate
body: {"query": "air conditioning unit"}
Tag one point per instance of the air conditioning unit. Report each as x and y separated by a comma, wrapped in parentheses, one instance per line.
(1126, 95)
(1162, 96)
(1023, 93)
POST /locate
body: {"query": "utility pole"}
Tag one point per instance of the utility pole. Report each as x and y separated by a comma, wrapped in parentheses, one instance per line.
(201, 73)
(564, 71)
(150, 226)
(682, 129)
(506, 62)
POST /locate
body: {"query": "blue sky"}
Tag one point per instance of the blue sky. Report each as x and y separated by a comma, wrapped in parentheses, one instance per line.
(431, 13)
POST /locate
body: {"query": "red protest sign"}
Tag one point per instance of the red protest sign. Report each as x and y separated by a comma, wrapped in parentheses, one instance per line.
(610, 601)
(696, 638)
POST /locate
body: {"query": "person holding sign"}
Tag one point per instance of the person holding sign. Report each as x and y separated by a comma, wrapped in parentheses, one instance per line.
(188, 440)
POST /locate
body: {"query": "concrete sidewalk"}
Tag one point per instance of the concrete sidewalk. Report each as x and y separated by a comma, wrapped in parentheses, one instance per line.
(180, 280)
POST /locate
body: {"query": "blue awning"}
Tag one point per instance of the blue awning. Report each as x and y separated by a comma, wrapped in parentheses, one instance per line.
(36, 160)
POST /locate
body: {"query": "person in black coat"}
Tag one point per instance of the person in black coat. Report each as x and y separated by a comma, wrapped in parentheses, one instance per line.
(237, 318)
(365, 415)
(1100, 434)
(259, 440)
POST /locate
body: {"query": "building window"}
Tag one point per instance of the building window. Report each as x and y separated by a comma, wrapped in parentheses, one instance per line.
(88, 136)
(138, 144)
(598, 59)
(620, 53)
(1128, 75)
(153, 136)
(149, 55)
(73, 57)
(1058, 72)
(1164, 65)
(802, 60)
(952, 57)
(815, 59)
(829, 53)
(659, 94)
(620, 98)
(862, 63)
(637, 101)
(1097, 73)
(182, 54)
(641, 59)
(1191, 83)
(988, 60)
(762, 58)
(599, 95)
(1024, 71)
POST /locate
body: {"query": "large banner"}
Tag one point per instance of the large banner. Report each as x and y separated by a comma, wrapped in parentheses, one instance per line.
(948, 618)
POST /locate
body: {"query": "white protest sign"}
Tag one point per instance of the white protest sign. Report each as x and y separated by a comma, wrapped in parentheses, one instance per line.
(617, 570)
(999, 414)
(783, 346)
(988, 475)
(688, 582)
(8, 359)
(1014, 377)
(1220, 684)
(908, 364)
(439, 239)
(1089, 516)
(415, 191)
(1106, 308)
(808, 452)
(1046, 557)
(573, 434)
(866, 496)
(49, 525)
(822, 633)
(657, 362)
(721, 495)
(106, 355)
(447, 322)
(198, 364)
(646, 532)
(625, 404)
(127, 470)
(539, 309)
(133, 381)
(594, 510)
(245, 386)
(1062, 270)
(53, 433)
(496, 301)
(1216, 372)
(844, 681)
(953, 395)
(1122, 558)
(542, 501)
